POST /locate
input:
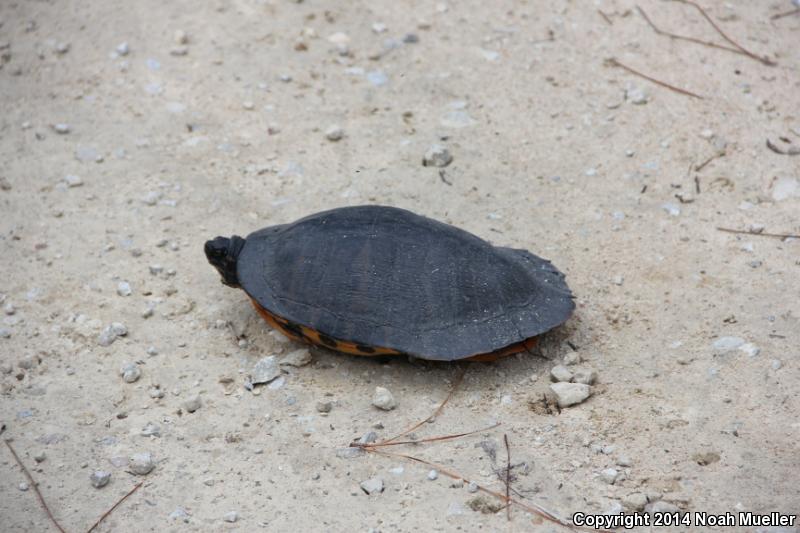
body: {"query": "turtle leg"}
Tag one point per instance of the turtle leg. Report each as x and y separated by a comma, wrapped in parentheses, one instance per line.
(525, 346)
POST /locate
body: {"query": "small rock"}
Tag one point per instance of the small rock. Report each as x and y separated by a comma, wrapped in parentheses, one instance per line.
(9, 309)
(727, 344)
(378, 27)
(672, 209)
(155, 393)
(179, 514)
(572, 358)
(62, 48)
(368, 437)
(265, 370)
(141, 464)
(750, 349)
(472, 487)
(433, 475)
(72, 180)
(61, 128)
(609, 475)
(776, 364)
(377, 78)
(28, 362)
(324, 407)
(130, 372)
(334, 133)
(23, 486)
(180, 37)
(560, 373)
(624, 460)
(618, 280)
(570, 393)
(232, 516)
(297, 358)
(372, 486)
(111, 333)
(437, 156)
(193, 404)
(99, 478)
(40, 456)
(587, 376)
(124, 288)
(383, 399)
(123, 49)
(637, 96)
(635, 501)
(350, 452)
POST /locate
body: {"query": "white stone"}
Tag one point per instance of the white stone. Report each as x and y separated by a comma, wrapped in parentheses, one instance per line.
(383, 399)
(568, 394)
(141, 464)
(265, 370)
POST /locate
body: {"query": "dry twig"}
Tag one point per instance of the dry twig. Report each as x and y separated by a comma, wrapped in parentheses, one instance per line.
(439, 409)
(683, 37)
(614, 63)
(742, 49)
(508, 477)
(605, 17)
(786, 14)
(760, 234)
(35, 487)
(105, 515)
(793, 150)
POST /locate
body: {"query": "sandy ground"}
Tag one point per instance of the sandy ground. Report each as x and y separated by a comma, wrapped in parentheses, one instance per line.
(221, 129)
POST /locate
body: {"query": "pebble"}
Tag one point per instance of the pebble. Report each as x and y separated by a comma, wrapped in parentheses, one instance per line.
(72, 180)
(609, 475)
(383, 399)
(635, 501)
(180, 37)
(232, 516)
(750, 349)
(130, 372)
(587, 376)
(378, 78)
(560, 373)
(727, 344)
(433, 475)
(9, 309)
(372, 486)
(23, 486)
(297, 358)
(28, 362)
(334, 133)
(618, 280)
(99, 478)
(111, 333)
(155, 392)
(437, 156)
(265, 370)
(40, 456)
(61, 128)
(124, 288)
(637, 96)
(179, 514)
(776, 364)
(570, 393)
(5, 333)
(141, 464)
(378, 27)
(472, 488)
(572, 358)
(672, 209)
(123, 49)
(193, 404)
(324, 407)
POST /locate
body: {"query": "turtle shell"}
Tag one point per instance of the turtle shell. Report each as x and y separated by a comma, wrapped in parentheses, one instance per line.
(386, 277)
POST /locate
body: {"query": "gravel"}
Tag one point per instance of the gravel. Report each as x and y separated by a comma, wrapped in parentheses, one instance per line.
(635, 501)
(111, 333)
(265, 370)
(568, 394)
(297, 358)
(99, 478)
(130, 372)
(433, 475)
(560, 373)
(141, 464)
(372, 486)
(232, 516)
(587, 376)
(324, 407)
(334, 133)
(193, 404)
(609, 475)
(437, 156)
(383, 399)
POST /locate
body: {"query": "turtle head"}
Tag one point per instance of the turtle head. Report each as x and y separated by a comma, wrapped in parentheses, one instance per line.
(223, 253)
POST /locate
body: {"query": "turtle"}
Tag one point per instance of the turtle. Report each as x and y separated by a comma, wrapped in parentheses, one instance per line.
(376, 280)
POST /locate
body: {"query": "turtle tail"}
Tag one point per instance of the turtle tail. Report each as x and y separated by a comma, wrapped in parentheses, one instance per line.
(223, 253)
